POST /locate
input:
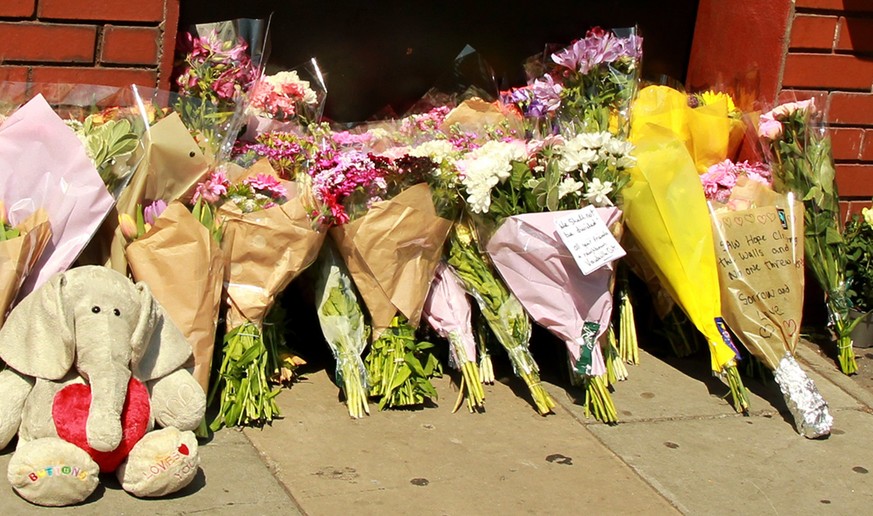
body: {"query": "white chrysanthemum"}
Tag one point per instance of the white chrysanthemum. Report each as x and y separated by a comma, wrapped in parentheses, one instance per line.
(597, 193)
(438, 150)
(618, 147)
(569, 186)
(485, 167)
(591, 140)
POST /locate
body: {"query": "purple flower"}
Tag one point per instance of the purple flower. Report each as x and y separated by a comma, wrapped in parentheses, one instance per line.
(547, 93)
(151, 212)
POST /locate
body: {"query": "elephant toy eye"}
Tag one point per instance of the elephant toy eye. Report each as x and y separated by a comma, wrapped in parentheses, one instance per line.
(117, 312)
(95, 309)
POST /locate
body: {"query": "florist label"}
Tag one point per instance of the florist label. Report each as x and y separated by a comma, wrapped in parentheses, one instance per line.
(588, 239)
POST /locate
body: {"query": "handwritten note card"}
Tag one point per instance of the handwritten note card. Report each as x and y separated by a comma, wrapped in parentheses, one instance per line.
(588, 239)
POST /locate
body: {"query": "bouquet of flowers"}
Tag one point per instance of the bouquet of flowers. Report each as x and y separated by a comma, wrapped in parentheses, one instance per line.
(587, 86)
(289, 153)
(44, 165)
(344, 327)
(390, 235)
(177, 253)
(270, 238)
(219, 63)
(759, 248)
(799, 151)
(666, 211)
(286, 100)
(546, 201)
(448, 311)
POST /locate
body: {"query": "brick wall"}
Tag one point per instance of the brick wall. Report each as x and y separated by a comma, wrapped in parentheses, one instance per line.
(793, 50)
(830, 57)
(110, 42)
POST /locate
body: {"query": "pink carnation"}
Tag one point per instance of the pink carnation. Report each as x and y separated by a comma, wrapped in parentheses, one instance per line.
(719, 180)
(267, 185)
(213, 188)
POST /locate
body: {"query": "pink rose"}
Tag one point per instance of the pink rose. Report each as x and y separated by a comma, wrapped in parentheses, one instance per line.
(769, 128)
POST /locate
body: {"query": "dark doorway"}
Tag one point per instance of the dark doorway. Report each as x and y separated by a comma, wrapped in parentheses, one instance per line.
(387, 54)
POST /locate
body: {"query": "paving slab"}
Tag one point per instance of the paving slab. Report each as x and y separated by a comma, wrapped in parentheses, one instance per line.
(233, 479)
(751, 465)
(508, 460)
(684, 388)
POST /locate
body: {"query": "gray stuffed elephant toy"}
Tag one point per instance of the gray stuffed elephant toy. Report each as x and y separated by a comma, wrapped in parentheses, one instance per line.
(93, 366)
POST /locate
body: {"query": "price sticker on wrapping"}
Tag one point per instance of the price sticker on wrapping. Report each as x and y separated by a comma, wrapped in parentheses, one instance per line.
(588, 239)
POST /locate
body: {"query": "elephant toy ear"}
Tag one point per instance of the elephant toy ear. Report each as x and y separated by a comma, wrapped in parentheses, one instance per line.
(159, 348)
(38, 336)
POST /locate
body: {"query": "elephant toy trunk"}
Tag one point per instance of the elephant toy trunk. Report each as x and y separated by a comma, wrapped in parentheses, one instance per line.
(108, 392)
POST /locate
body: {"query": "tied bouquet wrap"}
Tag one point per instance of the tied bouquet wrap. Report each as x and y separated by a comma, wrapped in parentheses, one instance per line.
(392, 253)
(171, 166)
(799, 151)
(449, 312)
(344, 327)
(286, 101)
(218, 65)
(542, 272)
(759, 248)
(182, 263)
(665, 210)
(44, 165)
(266, 250)
(266, 246)
(708, 124)
(21, 245)
(586, 86)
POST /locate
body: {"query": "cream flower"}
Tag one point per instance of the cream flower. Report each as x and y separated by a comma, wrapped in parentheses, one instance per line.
(485, 167)
(597, 193)
(868, 215)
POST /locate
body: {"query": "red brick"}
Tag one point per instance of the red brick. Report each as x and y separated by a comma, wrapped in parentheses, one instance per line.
(855, 180)
(40, 42)
(130, 45)
(13, 74)
(846, 142)
(855, 35)
(103, 76)
(851, 108)
(813, 31)
(17, 8)
(827, 72)
(867, 146)
(787, 95)
(106, 10)
(835, 5)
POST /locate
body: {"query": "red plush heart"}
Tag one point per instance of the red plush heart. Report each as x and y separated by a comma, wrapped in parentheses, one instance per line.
(70, 414)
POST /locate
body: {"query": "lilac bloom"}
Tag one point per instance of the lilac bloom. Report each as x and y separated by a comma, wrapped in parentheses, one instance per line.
(151, 212)
(547, 93)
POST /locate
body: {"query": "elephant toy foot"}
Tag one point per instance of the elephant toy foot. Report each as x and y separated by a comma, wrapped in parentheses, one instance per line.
(161, 463)
(52, 472)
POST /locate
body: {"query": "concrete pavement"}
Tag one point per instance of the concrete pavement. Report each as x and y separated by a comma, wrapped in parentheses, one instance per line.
(679, 448)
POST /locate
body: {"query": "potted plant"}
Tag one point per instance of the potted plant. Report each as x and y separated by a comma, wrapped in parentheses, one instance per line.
(858, 238)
